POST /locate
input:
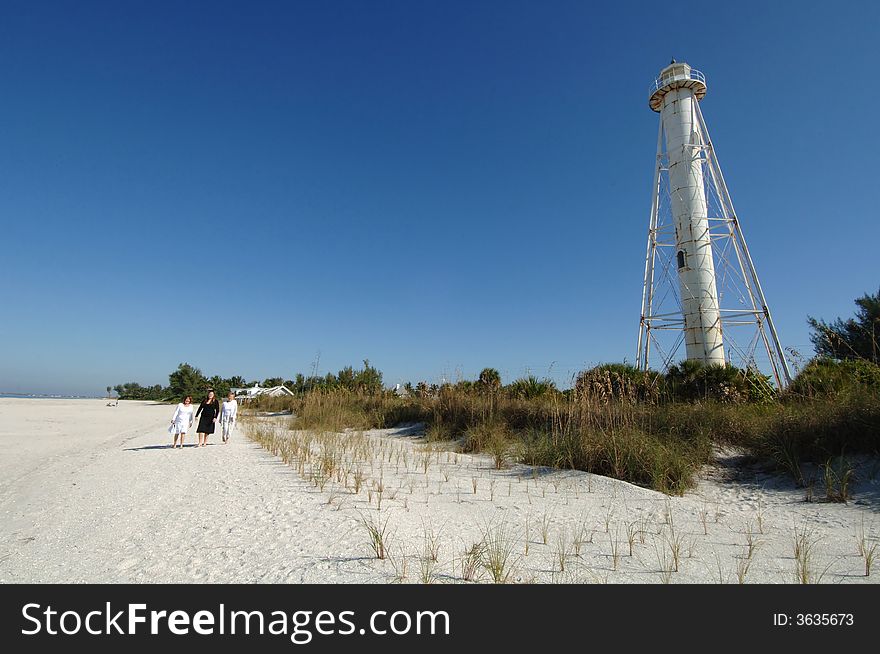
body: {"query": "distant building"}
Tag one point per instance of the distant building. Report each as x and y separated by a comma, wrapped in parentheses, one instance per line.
(399, 390)
(257, 391)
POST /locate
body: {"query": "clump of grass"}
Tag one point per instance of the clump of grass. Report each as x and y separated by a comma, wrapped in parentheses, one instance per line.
(497, 557)
(869, 555)
(674, 541)
(838, 474)
(562, 549)
(497, 444)
(358, 480)
(471, 560)
(479, 435)
(642, 529)
(632, 532)
(752, 541)
(744, 564)
(614, 541)
(399, 564)
(332, 411)
(438, 432)
(785, 450)
(426, 569)
(861, 537)
(319, 475)
(377, 532)
(804, 550)
(719, 567)
(664, 561)
(380, 491)
(867, 548)
(582, 536)
(809, 489)
(546, 521)
(431, 539)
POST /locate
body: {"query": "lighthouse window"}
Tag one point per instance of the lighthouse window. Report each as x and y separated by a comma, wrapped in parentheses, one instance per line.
(682, 259)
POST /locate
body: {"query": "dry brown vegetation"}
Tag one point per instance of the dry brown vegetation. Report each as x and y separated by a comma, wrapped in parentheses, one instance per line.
(623, 423)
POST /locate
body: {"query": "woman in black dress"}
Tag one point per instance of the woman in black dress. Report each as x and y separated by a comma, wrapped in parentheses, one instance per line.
(210, 411)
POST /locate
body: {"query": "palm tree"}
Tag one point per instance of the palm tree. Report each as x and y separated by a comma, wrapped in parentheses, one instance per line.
(529, 388)
(490, 379)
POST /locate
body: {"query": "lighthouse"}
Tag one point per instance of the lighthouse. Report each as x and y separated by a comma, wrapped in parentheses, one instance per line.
(679, 89)
(695, 239)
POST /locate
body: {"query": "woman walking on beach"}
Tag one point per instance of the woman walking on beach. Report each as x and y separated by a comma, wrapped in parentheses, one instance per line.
(228, 414)
(210, 411)
(182, 420)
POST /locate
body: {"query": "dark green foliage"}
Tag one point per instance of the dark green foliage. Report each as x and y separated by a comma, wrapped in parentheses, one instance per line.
(829, 377)
(401, 411)
(855, 338)
(529, 388)
(187, 380)
(366, 380)
(817, 430)
(303, 384)
(134, 391)
(489, 379)
(221, 386)
(691, 380)
(664, 461)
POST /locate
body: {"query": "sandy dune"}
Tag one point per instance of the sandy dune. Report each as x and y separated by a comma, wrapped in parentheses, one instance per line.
(90, 493)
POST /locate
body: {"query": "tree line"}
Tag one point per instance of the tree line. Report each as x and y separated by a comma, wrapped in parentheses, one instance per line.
(190, 380)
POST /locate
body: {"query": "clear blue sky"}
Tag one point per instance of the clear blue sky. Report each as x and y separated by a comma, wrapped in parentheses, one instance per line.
(435, 186)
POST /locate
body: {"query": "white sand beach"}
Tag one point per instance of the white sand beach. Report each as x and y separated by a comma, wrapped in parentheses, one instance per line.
(91, 493)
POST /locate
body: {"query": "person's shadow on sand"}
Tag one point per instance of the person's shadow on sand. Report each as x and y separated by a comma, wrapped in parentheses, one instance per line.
(157, 447)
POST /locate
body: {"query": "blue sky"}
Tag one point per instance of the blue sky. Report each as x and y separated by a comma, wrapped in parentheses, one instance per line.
(435, 186)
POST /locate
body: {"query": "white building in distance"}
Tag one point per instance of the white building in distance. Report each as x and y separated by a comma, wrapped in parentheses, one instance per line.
(258, 391)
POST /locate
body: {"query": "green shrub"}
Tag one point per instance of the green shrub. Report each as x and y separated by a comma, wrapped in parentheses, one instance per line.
(691, 380)
(530, 388)
(824, 377)
(660, 462)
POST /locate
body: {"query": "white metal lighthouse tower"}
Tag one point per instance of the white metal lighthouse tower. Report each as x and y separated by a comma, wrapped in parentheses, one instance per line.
(695, 237)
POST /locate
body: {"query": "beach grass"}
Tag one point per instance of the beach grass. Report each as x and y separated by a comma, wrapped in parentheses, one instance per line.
(613, 426)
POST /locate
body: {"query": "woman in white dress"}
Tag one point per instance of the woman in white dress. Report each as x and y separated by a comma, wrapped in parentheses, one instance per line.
(182, 420)
(228, 414)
